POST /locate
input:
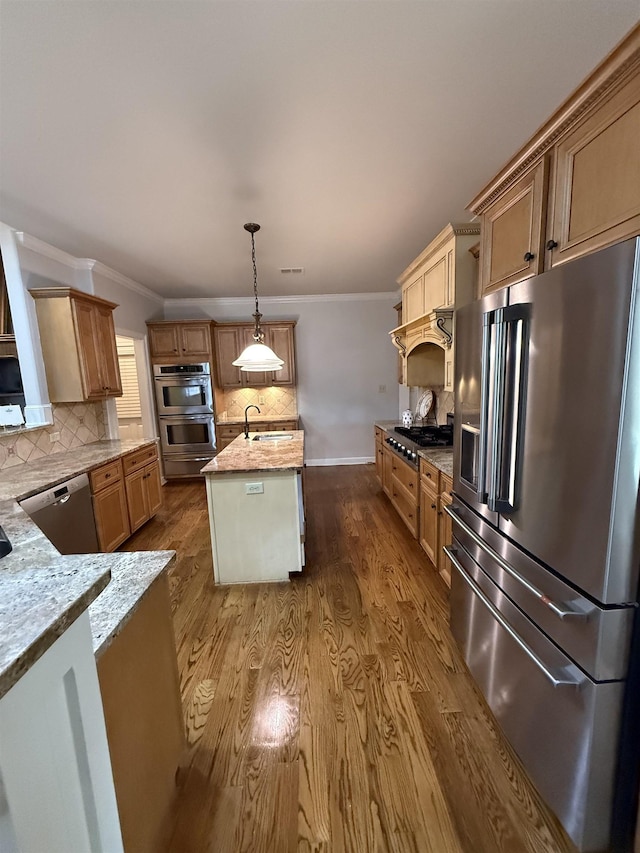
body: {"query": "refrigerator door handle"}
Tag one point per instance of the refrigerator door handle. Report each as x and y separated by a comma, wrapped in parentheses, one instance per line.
(484, 409)
(514, 342)
(562, 611)
(556, 681)
(498, 392)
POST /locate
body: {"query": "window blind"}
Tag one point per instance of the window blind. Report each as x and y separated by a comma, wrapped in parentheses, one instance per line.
(128, 406)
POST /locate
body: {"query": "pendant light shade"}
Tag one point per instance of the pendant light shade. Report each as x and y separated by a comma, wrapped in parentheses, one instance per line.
(257, 357)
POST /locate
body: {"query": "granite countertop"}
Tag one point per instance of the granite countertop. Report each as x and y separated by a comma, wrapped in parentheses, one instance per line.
(244, 455)
(441, 457)
(271, 419)
(42, 591)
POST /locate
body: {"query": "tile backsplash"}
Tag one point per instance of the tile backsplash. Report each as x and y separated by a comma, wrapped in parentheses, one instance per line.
(76, 423)
(278, 402)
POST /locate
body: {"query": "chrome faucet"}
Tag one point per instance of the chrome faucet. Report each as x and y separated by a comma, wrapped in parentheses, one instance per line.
(246, 419)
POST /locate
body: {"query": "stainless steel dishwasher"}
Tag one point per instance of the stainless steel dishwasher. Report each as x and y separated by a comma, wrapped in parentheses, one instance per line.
(64, 513)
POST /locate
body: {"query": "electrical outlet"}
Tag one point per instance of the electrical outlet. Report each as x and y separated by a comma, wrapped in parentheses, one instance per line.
(382, 389)
(54, 436)
(261, 400)
(253, 488)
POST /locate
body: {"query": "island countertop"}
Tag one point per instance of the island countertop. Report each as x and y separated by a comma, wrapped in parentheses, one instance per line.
(44, 591)
(244, 455)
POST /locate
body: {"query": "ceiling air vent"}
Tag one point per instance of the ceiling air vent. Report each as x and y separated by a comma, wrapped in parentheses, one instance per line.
(292, 270)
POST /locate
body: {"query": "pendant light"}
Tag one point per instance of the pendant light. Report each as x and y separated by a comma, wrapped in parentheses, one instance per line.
(257, 357)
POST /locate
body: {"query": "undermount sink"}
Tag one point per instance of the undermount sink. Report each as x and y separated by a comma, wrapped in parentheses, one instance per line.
(272, 436)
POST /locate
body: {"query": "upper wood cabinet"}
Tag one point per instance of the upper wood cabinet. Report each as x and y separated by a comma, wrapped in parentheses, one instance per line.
(78, 345)
(231, 339)
(185, 341)
(596, 179)
(575, 186)
(512, 241)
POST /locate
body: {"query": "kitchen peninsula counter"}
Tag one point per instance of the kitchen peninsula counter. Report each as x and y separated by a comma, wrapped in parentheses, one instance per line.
(256, 511)
(42, 591)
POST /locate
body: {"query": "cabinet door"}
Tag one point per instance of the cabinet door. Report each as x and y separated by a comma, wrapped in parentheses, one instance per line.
(163, 341)
(153, 487)
(137, 499)
(445, 537)
(106, 337)
(85, 319)
(387, 473)
(413, 299)
(596, 181)
(195, 340)
(280, 339)
(228, 347)
(112, 517)
(512, 232)
(436, 281)
(429, 521)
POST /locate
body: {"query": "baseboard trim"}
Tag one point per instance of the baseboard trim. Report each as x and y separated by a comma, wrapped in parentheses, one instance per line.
(349, 460)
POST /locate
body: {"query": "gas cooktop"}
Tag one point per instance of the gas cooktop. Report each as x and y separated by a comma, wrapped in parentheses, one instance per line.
(409, 440)
(428, 436)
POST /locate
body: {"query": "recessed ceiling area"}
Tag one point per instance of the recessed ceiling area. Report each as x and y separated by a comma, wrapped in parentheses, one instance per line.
(145, 134)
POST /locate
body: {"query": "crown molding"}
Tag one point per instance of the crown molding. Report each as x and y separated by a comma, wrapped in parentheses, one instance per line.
(123, 280)
(453, 229)
(46, 250)
(243, 301)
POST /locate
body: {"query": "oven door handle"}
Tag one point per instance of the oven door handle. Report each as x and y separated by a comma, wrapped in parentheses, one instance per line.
(562, 611)
(174, 418)
(556, 681)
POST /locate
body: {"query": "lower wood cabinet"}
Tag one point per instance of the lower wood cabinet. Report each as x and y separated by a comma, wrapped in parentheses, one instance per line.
(126, 493)
(110, 505)
(429, 520)
(144, 496)
(400, 484)
(379, 453)
(435, 525)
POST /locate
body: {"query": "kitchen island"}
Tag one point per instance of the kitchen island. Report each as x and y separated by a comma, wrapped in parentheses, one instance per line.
(256, 512)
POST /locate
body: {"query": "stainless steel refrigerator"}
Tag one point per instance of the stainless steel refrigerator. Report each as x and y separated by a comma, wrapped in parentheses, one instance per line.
(546, 525)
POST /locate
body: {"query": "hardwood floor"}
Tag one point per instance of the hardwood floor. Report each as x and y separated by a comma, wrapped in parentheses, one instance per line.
(334, 712)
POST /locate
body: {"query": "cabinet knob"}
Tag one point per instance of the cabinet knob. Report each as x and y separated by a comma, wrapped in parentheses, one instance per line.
(551, 244)
(529, 256)
(106, 476)
(433, 506)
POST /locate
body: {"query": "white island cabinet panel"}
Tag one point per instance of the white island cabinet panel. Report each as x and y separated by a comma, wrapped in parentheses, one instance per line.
(256, 509)
(255, 526)
(54, 757)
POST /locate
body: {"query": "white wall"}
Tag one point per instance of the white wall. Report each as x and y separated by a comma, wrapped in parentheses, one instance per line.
(343, 356)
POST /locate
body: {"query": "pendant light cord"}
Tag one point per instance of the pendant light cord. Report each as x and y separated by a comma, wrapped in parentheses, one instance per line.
(258, 334)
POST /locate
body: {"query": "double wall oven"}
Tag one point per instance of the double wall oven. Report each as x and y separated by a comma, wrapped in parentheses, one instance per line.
(186, 418)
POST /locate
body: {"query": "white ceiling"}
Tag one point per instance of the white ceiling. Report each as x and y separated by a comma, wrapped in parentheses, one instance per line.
(144, 134)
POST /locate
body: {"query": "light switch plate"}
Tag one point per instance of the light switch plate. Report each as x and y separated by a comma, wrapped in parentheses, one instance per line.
(253, 488)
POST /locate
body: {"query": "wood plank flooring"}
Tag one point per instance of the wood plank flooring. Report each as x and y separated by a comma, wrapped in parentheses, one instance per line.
(334, 712)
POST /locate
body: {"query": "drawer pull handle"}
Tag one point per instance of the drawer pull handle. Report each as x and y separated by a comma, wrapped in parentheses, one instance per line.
(428, 475)
(106, 476)
(561, 681)
(560, 610)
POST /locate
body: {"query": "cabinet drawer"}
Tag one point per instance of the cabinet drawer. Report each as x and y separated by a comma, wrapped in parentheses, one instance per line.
(132, 461)
(406, 475)
(430, 473)
(380, 433)
(284, 425)
(406, 508)
(105, 476)
(228, 431)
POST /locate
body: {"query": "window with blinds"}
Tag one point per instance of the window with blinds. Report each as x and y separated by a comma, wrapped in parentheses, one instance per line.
(128, 406)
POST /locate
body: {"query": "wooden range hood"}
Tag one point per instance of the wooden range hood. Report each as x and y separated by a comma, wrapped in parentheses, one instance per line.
(423, 344)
